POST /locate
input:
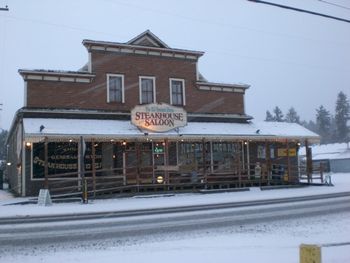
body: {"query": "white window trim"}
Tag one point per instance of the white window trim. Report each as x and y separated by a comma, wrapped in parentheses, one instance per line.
(115, 75)
(183, 91)
(154, 87)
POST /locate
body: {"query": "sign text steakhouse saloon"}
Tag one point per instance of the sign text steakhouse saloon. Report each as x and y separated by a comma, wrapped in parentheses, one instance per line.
(158, 117)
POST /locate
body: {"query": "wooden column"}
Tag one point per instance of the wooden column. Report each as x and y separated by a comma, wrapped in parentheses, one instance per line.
(248, 159)
(268, 161)
(204, 156)
(308, 161)
(239, 168)
(288, 161)
(82, 149)
(138, 163)
(166, 162)
(46, 166)
(93, 153)
(243, 159)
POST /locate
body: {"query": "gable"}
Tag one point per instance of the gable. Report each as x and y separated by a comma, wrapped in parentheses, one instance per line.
(147, 39)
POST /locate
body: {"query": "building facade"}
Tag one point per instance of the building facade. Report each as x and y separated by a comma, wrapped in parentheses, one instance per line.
(139, 116)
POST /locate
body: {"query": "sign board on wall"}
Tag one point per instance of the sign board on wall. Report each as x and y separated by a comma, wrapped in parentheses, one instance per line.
(282, 152)
(160, 117)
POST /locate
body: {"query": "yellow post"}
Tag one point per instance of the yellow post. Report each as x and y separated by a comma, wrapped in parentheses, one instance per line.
(310, 253)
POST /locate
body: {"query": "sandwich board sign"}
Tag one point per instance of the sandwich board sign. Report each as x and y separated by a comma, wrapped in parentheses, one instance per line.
(44, 198)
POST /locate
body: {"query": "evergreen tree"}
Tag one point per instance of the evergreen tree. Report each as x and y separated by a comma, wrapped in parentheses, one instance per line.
(3, 152)
(311, 125)
(333, 131)
(342, 113)
(269, 116)
(292, 116)
(323, 121)
(278, 114)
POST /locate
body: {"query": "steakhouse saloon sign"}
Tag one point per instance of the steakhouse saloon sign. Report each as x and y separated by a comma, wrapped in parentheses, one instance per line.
(158, 117)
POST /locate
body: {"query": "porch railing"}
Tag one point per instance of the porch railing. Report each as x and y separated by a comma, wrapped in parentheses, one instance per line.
(126, 180)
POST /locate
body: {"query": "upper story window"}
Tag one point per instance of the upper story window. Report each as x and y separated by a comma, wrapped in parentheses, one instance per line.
(115, 88)
(147, 90)
(177, 92)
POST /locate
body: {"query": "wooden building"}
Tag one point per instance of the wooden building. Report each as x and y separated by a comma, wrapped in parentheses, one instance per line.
(140, 117)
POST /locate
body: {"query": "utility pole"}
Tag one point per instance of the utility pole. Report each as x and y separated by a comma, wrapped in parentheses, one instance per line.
(4, 8)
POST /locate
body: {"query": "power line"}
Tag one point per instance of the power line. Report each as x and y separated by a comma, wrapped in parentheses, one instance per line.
(330, 3)
(59, 25)
(300, 10)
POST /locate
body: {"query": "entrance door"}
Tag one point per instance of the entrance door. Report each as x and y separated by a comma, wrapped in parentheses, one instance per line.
(159, 160)
(130, 164)
(146, 163)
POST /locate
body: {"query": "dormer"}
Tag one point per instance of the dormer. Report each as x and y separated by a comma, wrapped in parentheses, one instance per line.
(147, 39)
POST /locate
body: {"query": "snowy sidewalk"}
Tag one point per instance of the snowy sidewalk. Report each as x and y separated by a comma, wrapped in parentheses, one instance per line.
(341, 184)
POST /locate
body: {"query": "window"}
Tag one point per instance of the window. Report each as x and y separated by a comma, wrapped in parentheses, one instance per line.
(177, 92)
(115, 88)
(147, 90)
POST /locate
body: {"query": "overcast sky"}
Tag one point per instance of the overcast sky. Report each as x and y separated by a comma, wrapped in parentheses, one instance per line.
(288, 58)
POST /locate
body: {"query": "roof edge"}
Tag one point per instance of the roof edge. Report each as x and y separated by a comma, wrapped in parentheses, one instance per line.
(207, 83)
(83, 74)
(148, 32)
(88, 42)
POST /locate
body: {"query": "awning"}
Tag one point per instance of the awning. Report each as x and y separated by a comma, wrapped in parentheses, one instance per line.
(36, 129)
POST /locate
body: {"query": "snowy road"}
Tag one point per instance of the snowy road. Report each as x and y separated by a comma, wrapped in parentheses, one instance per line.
(124, 228)
(264, 234)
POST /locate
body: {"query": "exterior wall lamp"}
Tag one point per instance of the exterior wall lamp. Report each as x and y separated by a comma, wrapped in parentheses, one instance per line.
(160, 179)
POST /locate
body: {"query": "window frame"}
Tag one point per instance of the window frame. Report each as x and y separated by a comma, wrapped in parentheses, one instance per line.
(183, 91)
(123, 93)
(154, 88)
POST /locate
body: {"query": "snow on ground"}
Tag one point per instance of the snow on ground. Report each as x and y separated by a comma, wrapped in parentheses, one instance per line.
(266, 242)
(341, 183)
(6, 196)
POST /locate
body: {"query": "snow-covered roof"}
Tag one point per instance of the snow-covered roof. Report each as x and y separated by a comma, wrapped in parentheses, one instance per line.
(328, 151)
(119, 129)
(332, 156)
(326, 148)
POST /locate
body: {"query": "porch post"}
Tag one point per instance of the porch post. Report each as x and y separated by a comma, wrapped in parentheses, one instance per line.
(288, 161)
(138, 163)
(248, 158)
(204, 156)
(93, 153)
(46, 166)
(308, 161)
(243, 159)
(268, 161)
(240, 168)
(166, 162)
(82, 148)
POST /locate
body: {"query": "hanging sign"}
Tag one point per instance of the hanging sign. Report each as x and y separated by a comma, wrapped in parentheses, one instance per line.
(160, 117)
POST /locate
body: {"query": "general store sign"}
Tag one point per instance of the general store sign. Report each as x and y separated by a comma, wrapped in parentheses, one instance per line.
(160, 117)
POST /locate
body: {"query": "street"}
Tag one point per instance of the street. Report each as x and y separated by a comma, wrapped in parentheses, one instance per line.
(138, 227)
